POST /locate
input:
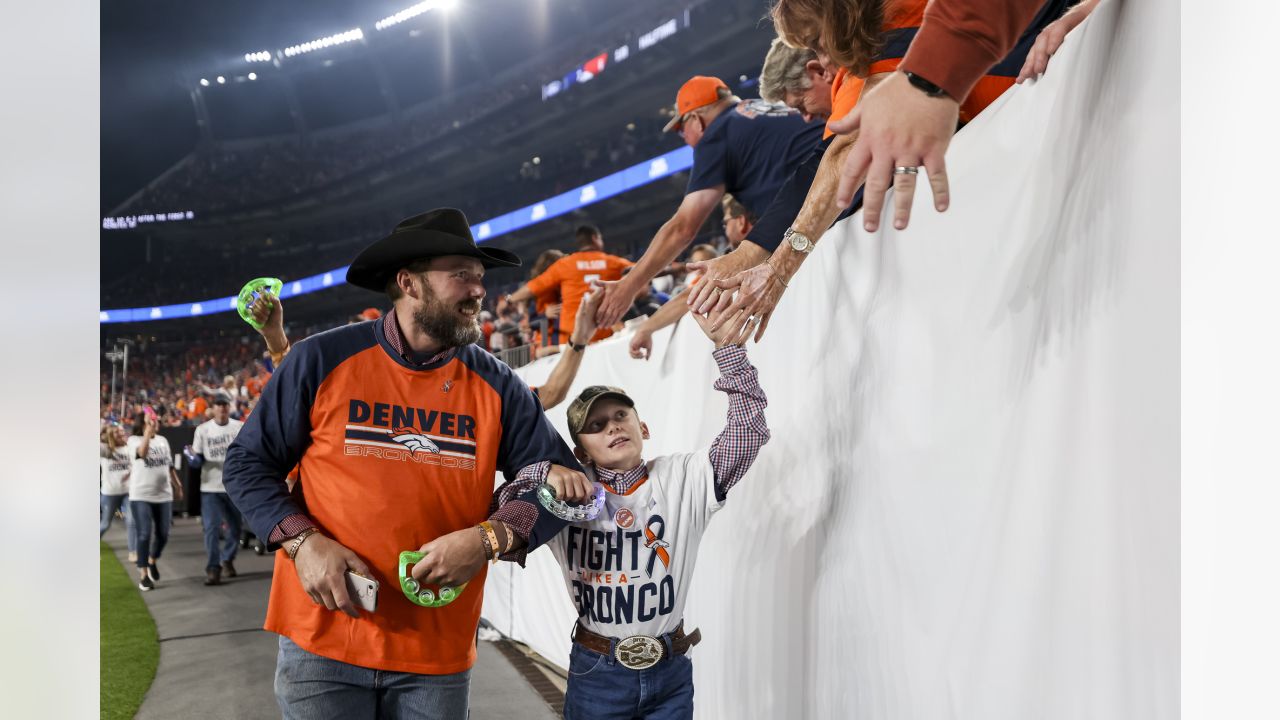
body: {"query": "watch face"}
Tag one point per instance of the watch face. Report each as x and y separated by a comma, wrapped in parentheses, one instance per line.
(799, 242)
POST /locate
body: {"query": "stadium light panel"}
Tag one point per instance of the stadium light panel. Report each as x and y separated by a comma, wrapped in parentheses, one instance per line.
(222, 80)
(324, 42)
(414, 11)
(204, 82)
(253, 76)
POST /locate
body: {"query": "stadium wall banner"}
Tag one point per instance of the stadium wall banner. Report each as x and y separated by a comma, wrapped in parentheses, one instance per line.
(606, 187)
(969, 507)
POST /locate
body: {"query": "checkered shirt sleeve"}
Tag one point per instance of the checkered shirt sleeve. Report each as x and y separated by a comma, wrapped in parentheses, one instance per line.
(745, 430)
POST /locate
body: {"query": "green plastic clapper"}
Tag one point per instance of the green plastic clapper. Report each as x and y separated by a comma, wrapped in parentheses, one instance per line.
(251, 291)
(419, 595)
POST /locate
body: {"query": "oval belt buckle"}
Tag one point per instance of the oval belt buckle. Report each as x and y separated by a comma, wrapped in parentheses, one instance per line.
(638, 651)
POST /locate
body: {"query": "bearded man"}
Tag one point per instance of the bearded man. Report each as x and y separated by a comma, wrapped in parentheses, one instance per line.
(398, 426)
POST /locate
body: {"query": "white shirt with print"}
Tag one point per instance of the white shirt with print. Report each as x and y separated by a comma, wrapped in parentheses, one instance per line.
(149, 477)
(628, 571)
(212, 441)
(115, 470)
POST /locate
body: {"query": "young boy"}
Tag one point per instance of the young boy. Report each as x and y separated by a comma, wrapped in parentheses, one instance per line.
(628, 571)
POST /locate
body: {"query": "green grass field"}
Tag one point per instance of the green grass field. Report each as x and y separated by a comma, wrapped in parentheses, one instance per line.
(130, 647)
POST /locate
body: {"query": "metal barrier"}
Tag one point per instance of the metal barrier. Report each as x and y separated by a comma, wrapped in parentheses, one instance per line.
(523, 355)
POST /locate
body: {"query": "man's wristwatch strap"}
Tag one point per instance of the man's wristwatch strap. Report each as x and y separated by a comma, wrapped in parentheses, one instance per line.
(925, 86)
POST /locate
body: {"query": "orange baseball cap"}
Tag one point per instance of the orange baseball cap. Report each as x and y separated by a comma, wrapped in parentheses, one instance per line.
(699, 91)
(371, 314)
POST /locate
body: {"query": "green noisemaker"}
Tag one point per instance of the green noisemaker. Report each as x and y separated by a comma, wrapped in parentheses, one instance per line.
(419, 595)
(253, 290)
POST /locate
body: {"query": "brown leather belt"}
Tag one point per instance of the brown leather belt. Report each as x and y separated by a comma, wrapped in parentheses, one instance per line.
(637, 651)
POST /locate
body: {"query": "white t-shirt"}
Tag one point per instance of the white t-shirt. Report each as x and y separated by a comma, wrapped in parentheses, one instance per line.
(115, 470)
(212, 441)
(149, 478)
(628, 571)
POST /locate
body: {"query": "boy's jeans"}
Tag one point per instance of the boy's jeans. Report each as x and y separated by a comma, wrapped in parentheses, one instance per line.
(602, 688)
(310, 687)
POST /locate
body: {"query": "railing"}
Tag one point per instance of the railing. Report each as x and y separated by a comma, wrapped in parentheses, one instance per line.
(524, 354)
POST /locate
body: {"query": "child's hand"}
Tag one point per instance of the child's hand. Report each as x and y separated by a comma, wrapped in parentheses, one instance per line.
(736, 327)
(571, 486)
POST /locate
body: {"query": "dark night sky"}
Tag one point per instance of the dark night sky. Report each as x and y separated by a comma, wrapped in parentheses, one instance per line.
(147, 120)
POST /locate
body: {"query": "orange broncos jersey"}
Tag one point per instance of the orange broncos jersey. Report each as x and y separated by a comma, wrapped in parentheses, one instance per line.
(573, 275)
(394, 456)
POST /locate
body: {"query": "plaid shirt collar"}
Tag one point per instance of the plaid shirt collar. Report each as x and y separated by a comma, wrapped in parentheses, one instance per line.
(622, 482)
(395, 339)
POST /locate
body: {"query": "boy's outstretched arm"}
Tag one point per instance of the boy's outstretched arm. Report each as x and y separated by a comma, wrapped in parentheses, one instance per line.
(745, 430)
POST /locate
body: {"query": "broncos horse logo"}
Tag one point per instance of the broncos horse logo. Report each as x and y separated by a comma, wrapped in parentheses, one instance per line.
(415, 441)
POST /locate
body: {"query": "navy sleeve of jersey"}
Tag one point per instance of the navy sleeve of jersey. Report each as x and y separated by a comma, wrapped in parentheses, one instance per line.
(277, 433)
(786, 205)
(528, 437)
(710, 162)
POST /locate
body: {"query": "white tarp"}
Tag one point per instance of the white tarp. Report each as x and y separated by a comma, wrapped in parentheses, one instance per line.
(969, 508)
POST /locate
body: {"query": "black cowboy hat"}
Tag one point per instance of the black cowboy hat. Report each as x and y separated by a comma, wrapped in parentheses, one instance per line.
(443, 231)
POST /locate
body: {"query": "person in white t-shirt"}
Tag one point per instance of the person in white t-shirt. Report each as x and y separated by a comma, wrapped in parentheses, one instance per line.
(114, 492)
(153, 485)
(208, 451)
(628, 571)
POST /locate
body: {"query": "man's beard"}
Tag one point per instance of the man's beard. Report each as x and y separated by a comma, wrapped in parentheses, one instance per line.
(445, 325)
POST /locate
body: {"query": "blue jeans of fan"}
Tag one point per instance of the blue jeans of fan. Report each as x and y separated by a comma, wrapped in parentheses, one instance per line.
(311, 687)
(601, 688)
(215, 508)
(149, 517)
(108, 505)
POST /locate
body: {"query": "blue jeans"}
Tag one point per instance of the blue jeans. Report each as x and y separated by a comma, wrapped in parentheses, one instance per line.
(215, 507)
(311, 687)
(108, 505)
(601, 688)
(146, 516)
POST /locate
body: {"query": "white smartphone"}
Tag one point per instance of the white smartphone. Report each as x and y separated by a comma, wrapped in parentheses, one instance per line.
(364, 590)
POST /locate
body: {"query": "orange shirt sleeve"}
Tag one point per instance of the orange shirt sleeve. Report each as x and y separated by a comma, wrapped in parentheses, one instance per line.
(845, 91)
(550, 278)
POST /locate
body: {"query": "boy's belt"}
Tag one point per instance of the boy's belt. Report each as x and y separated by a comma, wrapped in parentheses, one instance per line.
(638, 652)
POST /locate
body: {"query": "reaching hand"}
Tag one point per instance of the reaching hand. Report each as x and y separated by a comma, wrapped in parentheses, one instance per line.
(451, 559)
(553, 310)
(616, 300)
(705, 296)
(584, 323)
(322, 564)
(900, 127)
(571, 486)
(1050, 39)
(726, 327)
(758, 291)
(268, 312)
(641, 344)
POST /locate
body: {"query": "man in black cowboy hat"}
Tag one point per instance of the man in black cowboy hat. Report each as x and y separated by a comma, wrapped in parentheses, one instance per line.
(397, 426)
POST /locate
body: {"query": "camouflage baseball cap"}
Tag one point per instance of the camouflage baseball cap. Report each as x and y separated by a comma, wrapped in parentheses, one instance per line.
(581, 405)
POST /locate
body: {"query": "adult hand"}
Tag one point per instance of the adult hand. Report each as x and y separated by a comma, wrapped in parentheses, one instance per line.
(571, 486)
(321, 564)
(617, 299)
(758, 292)
(727, 327)
(151, 424)
(899, 126)
(553, 310)
(1050, 39)
(268, 312)
(451, 559)
(704, 296)
(584, 323)
(641, 344)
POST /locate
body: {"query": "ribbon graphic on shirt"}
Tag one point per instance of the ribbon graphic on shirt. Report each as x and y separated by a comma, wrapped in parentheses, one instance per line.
(655, 543)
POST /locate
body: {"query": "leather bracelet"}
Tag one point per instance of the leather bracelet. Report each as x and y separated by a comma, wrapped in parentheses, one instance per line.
(491, 539)
(576, 346)
(296, 544)
(489, 551)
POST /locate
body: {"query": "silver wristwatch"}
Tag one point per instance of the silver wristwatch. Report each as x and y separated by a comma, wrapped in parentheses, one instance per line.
(798, 241)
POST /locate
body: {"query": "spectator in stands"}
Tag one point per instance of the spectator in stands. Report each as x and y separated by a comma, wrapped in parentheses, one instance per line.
(364, 500)
(630, 663)
(553, 392)
(907, 122)
(1050, 39)
(796, 78)
(738, 222)
(746, 148)
(208, 452)
(547, 303)
(806, 205)
(573, 274)
(153, 486)
(114, 491)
